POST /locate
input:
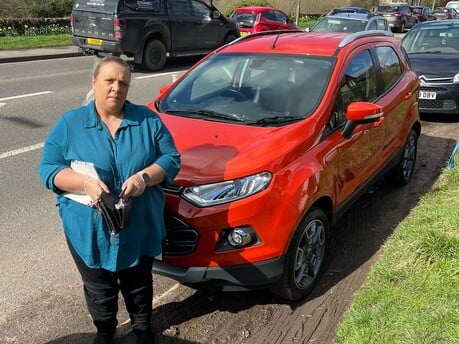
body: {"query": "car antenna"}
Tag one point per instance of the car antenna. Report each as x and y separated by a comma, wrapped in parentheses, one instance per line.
(275, 40)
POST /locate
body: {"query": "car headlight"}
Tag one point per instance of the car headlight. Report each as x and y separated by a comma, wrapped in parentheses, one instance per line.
(456, 79)
(227, 191)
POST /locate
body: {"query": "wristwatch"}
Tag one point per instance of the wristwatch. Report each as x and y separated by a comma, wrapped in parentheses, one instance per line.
(145, 177)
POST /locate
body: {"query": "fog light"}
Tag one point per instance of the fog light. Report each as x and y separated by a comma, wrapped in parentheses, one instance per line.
(239, 237)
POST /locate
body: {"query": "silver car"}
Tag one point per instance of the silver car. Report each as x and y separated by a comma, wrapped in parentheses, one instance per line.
(350, 22)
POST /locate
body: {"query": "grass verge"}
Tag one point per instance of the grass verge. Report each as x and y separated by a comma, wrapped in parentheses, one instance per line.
(411, 294)
(31, 42)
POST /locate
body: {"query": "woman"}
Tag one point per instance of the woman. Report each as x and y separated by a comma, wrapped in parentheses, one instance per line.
(133, 153)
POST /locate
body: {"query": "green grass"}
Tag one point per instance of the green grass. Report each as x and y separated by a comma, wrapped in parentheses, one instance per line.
(411, 295)
(30, 42)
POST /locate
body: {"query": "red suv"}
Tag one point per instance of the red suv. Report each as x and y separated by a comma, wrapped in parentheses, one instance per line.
(280, 132)
(253, 19)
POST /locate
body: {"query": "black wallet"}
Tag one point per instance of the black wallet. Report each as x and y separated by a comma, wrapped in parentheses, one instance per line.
(115, 211)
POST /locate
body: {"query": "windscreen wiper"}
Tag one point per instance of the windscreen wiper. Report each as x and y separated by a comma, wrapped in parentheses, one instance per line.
(203, 114)
(276, 120)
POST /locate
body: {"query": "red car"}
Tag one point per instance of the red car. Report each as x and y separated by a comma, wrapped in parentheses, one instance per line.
(280, 132)
(253, 19)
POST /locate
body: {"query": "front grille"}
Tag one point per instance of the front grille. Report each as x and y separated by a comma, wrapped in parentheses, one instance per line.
(180, 238)
(444, 100)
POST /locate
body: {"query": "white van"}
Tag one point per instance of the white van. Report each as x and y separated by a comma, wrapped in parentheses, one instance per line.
(453, 4)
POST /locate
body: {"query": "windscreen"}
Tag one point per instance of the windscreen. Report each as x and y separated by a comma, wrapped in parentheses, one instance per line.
(433, 39)
(251, 88)
(332, 24)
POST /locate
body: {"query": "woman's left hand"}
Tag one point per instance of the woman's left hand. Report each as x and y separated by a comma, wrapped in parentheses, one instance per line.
(134, 186)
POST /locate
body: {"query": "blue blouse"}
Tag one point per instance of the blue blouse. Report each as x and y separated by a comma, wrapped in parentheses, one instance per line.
(141, 140)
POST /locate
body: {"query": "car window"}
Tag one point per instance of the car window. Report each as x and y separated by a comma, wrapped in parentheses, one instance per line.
(200, 9)
(389, 63)
(381, 24)
(253, 86)
(269, 15)
(331, 24)
(154, 5)
(181, 7)
(244, 20)
(440, 39)
(372, 25)
(280, 17)
(359, 82)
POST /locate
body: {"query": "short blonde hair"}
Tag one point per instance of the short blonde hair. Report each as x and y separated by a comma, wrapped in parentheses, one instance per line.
(110, 59)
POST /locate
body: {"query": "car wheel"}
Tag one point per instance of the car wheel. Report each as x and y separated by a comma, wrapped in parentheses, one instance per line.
(154, 55)
(402, 173)
(305, 257)
(402, 27)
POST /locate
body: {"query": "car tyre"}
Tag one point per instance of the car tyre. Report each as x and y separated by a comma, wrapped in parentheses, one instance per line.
(305, 257)
(402, 27)
(402, 173)
(154, 55)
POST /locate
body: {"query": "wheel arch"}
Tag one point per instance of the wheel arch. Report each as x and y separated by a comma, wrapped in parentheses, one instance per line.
(138, 58)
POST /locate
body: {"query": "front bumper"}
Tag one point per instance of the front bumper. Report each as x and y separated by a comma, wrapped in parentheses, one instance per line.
(446, 101)
(235, 277)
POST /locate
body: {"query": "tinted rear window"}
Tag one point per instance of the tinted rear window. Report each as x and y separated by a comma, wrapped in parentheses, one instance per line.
(244, 19)
(388, 9)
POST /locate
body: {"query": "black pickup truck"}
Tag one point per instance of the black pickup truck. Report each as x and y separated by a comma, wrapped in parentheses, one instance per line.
(149, 31)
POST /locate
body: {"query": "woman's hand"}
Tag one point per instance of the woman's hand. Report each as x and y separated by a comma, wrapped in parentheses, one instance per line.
(134, 186)
(94, 188)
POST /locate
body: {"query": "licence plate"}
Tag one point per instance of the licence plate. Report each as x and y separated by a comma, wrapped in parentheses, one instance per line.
(94, 41)
(243, 33)
(427, 95)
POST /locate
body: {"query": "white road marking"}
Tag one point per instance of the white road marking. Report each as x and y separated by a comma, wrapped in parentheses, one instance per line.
(21, 150)
(25, 95)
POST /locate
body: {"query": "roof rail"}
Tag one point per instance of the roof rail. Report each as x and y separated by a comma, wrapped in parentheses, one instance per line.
(353, 36)
(264, 33)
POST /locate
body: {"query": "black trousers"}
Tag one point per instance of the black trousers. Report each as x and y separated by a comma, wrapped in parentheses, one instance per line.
(101, 289)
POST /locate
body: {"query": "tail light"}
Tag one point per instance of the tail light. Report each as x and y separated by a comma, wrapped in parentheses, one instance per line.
(397, 14)
(71, 22)
(119, 26)
(448, 15)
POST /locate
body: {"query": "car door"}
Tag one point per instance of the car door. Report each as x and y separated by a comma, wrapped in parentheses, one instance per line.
(183, 25)
(283, 20)
(409, 16)
(209, 30)
(359, 155)
(394, 97)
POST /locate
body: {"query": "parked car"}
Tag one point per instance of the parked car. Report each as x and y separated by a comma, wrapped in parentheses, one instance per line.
(349, 9)
(442, 13)
(251, 19)
(279, 133)
(423, 13)
(433, 50)
(399, 16)
(350, 22)
(453, 4)
(149, 31)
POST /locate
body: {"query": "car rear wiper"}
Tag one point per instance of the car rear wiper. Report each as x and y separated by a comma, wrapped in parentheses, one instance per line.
(209, 114)
(276, 120)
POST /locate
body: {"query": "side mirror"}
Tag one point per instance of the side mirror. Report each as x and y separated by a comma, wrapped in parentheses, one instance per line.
(308, 29)
(216, 14)
(362, 113)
